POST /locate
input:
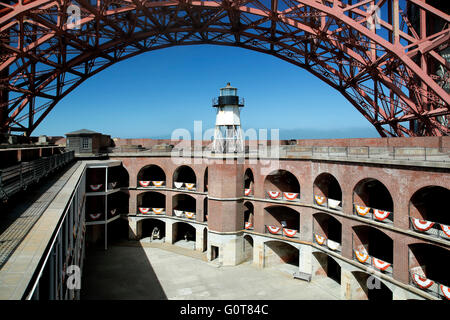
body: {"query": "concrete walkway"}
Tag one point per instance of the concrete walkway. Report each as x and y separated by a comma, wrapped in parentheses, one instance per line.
(162, 271)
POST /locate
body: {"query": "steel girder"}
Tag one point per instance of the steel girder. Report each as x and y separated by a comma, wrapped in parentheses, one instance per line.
(384, 56)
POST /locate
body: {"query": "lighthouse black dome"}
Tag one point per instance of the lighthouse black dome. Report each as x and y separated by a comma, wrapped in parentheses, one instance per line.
(228, 96)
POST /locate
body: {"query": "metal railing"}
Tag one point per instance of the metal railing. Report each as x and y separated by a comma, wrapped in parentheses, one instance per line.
(184, 186)
(430, 228)
(429, 286)
(100, 187)
(183, 214)
(150, 211)
(283, 232)
(332, 245)
(283, 196)
(374, 214)
(66, 248)
(248, 225)
(344, 153)
(376, 263)
(366, 152)
(151, 184)
(19, 177)
(328, 203)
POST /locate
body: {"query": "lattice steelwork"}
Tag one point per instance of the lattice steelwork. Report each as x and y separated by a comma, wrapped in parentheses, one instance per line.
(392, 68)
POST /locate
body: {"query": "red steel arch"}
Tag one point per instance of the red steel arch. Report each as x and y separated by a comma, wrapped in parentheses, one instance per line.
(387, 62)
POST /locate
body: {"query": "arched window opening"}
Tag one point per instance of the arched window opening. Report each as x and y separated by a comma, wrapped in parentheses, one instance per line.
(248, 248)
(282, 256)
(205, 181)
(327, 231)
(428, 269)
(282, 185)
(184, 235)
(283, 221)
(327, 191)
(248, 216)
(427, 212)
(249, 183)
(151, 176)
(184, 206)
(372, 200)
(327, 267)
(153, 230)
(371, 287)
(149, 203)
(184, 178)
(373, 247)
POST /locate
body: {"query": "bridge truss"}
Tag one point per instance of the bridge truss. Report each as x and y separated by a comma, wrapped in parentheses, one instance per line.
(389, 58)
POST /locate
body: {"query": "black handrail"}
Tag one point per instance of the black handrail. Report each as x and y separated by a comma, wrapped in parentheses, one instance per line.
(16, 178)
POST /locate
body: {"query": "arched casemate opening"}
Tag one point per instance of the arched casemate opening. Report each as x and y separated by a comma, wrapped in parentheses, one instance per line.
(205, 209)
(249, 181)
(327, 191)
(95, 208)
(151, 176)
(283, 221)
(184, 206)
(184, 178)
(429, 213)
(118, 177)
(428, 269)
(118, 203)
(370, 287)
(151, 203)
(248, 248)
(205, 239)
(327, 267)
(281, 255)
(153, 230)
(249, 215)
(327, 231)
(205, 181)
(282, 185)
(373, 247)
(372, 200)
(184, 235)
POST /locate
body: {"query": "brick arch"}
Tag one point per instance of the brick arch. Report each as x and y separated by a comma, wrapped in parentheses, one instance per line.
(388, 202)
(430, 206)
(151, 172)
(361, 278)
(187, 173)
(282, 180)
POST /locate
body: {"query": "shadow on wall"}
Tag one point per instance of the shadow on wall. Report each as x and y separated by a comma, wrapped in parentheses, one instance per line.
(119, 273)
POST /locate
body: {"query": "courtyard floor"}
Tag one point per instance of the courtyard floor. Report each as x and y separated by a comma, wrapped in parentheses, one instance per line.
(162, 271)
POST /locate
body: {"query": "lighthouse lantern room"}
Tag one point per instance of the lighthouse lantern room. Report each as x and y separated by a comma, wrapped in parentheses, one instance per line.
(228, 132)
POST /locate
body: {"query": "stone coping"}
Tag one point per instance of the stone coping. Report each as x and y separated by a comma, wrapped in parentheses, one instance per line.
(442, 162)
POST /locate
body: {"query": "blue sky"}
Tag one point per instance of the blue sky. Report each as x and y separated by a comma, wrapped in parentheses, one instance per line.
(151, 95)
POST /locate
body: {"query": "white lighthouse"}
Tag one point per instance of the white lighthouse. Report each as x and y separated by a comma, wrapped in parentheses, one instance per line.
(228, 132)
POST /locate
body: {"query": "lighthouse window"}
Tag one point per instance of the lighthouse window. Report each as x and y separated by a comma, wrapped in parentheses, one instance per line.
(228, 92)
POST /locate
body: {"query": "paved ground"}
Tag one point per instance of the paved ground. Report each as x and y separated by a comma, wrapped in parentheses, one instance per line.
(161, 271)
